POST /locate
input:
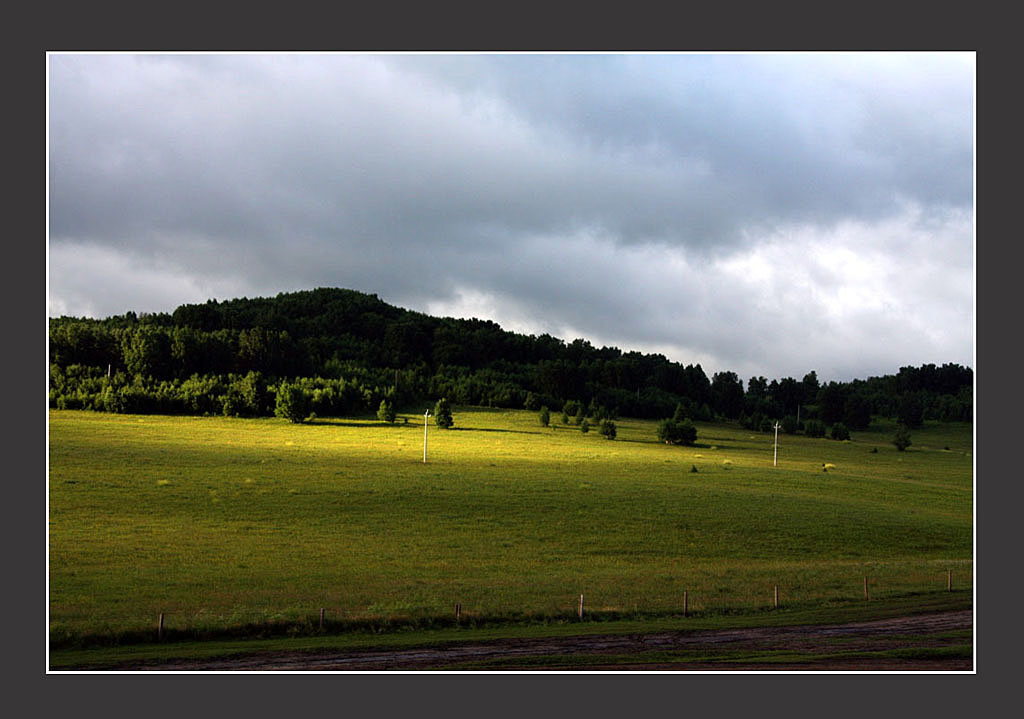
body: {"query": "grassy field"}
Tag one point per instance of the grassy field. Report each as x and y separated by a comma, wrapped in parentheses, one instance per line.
(228, 525)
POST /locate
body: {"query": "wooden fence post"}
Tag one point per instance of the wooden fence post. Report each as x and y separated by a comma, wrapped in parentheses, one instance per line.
(776, 596)
(321, 617)
(865, 589)
(685, 603)
(580, 611)
(949, 580)
(160, 628)
(458, 612)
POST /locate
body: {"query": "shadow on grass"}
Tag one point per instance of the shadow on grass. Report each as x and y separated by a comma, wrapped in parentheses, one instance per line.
(492, 429)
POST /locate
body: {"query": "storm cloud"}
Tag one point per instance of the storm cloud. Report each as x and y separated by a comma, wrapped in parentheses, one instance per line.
(767, 214)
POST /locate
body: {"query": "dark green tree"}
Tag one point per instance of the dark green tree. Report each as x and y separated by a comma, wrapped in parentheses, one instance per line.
(443, 414)
(680, 414)
(832, 402)
(545, 416)
(607, 429)
(814, 428)
(857, 412)
(727, 394)
(673, 432)
(839, 431)
(910, 410)
(902, 437)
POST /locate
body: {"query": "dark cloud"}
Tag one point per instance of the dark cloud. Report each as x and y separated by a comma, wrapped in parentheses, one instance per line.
(705, 205)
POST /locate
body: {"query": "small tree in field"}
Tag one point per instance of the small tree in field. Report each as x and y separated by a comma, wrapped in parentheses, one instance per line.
(443, 414)
(292, 403)
(607, 429)
(585, 425)
(545, 416)
(386, 411)
(672, 432)
(902, 437)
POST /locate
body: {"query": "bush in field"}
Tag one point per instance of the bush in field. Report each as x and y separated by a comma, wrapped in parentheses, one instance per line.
(902, 437)
(571, 407)
(245, 396)
(545, 416)
(386, 411)
(443, 414)
(607, 429)
(585, 425)
(814, 428)
(672, 432)
(292, 403)
(839, 431)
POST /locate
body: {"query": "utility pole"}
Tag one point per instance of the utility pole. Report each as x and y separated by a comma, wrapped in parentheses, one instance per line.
(775, 462)
(425, 416)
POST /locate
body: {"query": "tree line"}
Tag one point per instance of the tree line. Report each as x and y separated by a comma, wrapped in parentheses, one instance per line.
(348, 351)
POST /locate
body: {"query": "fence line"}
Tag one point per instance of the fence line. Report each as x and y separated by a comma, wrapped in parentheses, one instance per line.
(580, 605)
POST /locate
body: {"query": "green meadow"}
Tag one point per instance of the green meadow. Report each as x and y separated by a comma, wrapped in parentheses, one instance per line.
(229, 525)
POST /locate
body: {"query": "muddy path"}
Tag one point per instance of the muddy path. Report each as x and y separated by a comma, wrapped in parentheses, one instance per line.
(818, 645)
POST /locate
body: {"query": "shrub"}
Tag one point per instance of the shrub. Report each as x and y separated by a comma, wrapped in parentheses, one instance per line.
(607, 429)
(673, 432)
(386, 411)
(545, 416)
(443, 414)
(585, 426)
(902, 437)
(814, 428)
(839, 431)
(292, 403)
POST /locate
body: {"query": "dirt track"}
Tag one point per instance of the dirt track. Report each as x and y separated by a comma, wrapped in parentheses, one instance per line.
(922, 631)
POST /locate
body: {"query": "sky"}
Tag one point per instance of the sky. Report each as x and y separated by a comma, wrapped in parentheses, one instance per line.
(767, 214)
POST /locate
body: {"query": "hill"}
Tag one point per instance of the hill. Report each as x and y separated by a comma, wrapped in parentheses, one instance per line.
(355, 350)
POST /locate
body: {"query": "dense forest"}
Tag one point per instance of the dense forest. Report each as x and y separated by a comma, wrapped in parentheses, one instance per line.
(343, 352)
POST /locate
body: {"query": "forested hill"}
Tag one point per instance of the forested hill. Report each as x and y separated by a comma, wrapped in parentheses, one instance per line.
(348, 350)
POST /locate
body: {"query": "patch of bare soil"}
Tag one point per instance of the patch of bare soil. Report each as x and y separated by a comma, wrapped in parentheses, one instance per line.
(914, 632)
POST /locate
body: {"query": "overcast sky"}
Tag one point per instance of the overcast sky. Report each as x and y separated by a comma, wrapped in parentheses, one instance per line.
(768, 214)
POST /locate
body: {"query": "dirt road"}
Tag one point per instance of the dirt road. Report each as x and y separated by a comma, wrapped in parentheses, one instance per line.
(822, 648)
